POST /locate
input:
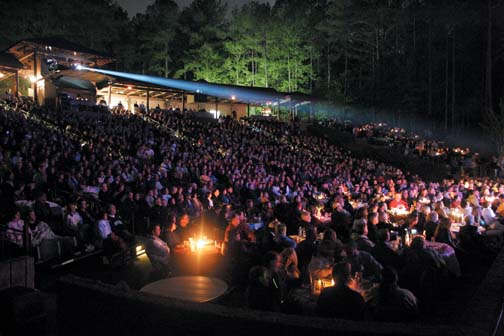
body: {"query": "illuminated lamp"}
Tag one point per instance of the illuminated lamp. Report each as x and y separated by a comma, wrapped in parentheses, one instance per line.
(140, 250)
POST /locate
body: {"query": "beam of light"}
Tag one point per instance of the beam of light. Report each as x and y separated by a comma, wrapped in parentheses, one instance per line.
(214, 90)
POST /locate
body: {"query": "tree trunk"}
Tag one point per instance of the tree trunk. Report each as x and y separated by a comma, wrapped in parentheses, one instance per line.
(415, 63)
(429, 89)
(488, 84)
(345, 75)
(311, 70)
(447, 82)
(253, 68)
(453, 79)
(289, 72)
(266, 62)
(328, 67)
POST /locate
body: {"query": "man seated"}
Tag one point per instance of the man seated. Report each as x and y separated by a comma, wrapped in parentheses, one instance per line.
(281, 239)
(398, 202)
(74, 224)
(117, 225)
(339, 301)
(394, 304)
(384, 253)
(364, 262)
(39, 229)
(111, 242)
(360, 237)
(158, 251)
(261, 293)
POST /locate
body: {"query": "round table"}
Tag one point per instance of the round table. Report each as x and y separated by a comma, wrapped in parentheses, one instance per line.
(188, 288)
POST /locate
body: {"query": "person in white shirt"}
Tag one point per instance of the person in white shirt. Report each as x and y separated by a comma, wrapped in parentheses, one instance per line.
(111, 242)
(73, 219)
(15, 229)
(158, 251)
(488, 214)
(104, 228)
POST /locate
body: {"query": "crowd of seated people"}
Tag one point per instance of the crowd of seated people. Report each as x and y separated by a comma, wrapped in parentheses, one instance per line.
(459, 160)
(160, 174)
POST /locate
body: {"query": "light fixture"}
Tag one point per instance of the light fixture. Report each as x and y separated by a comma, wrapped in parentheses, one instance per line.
(233, 98)
(140, 250)
(1, 75)
(129, 87)
(33, 79)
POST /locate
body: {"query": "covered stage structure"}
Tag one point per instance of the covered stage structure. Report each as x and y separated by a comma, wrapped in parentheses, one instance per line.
(49, 67)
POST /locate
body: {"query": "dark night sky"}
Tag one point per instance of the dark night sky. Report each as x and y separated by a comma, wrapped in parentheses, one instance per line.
(136, 6)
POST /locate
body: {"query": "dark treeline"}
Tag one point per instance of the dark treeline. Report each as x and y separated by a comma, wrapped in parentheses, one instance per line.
(413, 57)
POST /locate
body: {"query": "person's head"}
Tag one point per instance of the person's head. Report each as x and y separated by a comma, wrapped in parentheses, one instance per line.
(32, 217)
(418, 243)
(350, 248)
(330, 234)
(383, 217)
(235, 218)
(341, 274)
(273, 261)
(445, 223)
(155, 230)
(281, 229)
(383, 235)
(184, 220)
(83, 204)
(360, 226)
(306, 216)
(72, 207)
(413, 218)
(469, 220)
(373, 218)
(259, 276)
(398, 196)
(389, 277)
(433, 217)
(16, 214)
(112, 209)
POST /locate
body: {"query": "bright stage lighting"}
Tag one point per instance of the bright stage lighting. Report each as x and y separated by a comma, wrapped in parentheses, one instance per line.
(215, 90)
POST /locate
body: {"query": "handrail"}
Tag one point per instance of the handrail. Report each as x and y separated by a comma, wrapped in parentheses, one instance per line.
(499, 319)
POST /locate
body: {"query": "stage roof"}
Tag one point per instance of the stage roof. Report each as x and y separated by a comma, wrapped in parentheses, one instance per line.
(58, 47)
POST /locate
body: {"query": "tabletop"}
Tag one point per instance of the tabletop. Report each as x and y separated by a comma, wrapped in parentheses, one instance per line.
(188, 288)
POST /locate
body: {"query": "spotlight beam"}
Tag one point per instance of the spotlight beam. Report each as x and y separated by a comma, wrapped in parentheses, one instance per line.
(215, 90)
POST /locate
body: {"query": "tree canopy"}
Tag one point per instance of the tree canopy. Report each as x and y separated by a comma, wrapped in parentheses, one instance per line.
(418, 57)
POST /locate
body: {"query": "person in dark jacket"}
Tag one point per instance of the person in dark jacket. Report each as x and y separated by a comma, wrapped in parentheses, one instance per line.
(340, 301)
(384, 253)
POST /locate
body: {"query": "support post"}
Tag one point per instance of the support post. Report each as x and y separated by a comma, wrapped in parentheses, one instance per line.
(35, 93)
(17, 83)
(183, 101)
(248, 109)
(148, 105)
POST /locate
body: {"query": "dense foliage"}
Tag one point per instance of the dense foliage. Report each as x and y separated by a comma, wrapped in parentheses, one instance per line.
(425, 57)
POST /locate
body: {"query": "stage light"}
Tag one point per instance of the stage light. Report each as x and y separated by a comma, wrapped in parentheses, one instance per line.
(209, 89)
(76, 66)
(1, 75)
(51, 64)
(129, 87)
(33, 79)
(233, 98)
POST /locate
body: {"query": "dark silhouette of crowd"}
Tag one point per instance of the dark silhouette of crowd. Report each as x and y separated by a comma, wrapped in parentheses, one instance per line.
(293, 211)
